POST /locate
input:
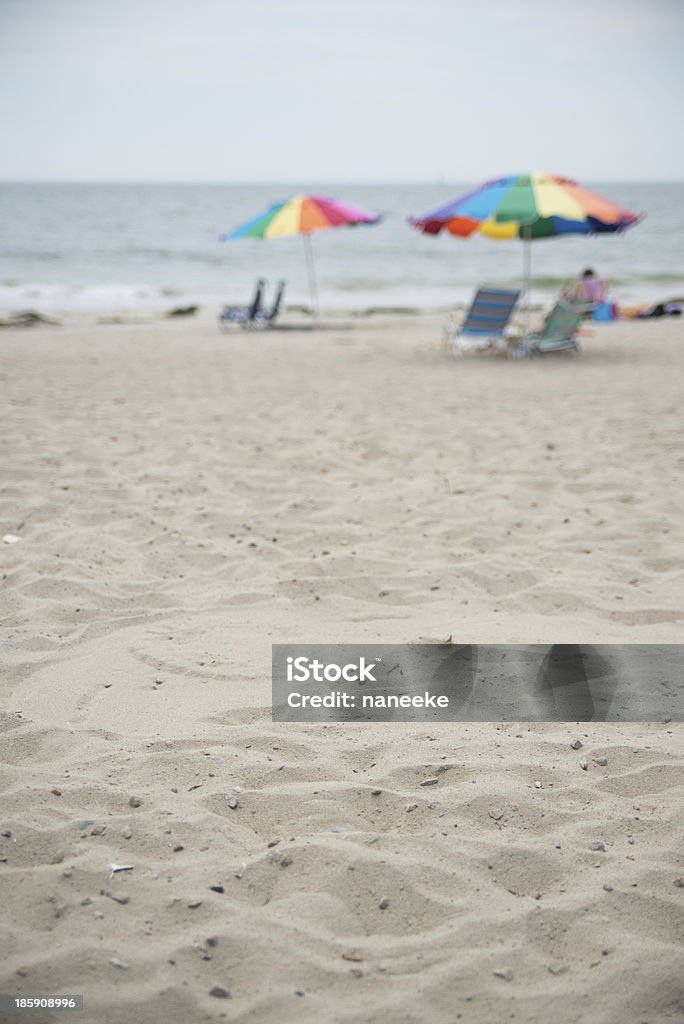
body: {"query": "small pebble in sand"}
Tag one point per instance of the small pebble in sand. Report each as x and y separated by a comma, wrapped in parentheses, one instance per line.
(6, 834)
(429, 782)
(135, 801)
(285, 861)
(84, 823)
(123, 900)
(584, 765)
(576, 744)
(537, 784)
(273, 842)
(56, 792)
(602, 761)
(354, 957)
(411, 807)
(496, 813)
(177, 849)
(219, 992)
(118, 963)
(217, 888)
(232, 802)
(598, 845)
(384, 903)
(506, 973)
(126, 833)
(376, 792)
(679, 882)
(194, 904)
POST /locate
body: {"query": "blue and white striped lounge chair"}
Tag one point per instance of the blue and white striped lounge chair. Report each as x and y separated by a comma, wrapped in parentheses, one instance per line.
(267, 318)
(485, 322)
(244, 315)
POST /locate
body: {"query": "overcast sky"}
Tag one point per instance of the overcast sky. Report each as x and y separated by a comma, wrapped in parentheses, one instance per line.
(340, 90)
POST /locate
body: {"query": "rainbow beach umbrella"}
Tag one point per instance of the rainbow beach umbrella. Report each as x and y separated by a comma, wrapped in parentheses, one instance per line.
(527, 206)
(300, 216)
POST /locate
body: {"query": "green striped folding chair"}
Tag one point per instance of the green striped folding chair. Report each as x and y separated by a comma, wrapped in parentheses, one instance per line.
(559, 331)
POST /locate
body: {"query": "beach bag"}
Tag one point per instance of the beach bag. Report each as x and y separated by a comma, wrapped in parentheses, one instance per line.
(604, 311)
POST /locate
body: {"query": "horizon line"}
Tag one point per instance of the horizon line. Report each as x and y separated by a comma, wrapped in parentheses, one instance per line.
(298, 181)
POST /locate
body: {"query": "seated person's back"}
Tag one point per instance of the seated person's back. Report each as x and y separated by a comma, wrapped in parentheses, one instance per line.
(588, 289)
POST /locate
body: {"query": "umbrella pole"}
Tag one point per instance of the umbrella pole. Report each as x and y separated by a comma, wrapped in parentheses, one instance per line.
(313, 288)
(527, 278)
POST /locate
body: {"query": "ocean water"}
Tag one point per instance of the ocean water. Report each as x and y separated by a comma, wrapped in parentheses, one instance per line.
(127, 246)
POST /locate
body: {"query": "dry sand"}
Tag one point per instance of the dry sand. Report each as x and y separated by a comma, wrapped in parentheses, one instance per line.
(186, 498)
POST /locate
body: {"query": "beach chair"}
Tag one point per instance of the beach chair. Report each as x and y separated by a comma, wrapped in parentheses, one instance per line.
(265, 318)
(243, 314)
(485, 322)
(559, 331)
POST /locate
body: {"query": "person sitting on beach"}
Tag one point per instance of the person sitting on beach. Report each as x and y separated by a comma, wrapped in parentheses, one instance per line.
(587, 289)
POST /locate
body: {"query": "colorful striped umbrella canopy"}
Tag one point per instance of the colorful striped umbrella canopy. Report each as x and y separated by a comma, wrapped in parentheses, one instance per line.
(527, 206)
(300, 216)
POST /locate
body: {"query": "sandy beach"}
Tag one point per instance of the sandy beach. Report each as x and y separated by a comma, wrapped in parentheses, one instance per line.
(185, 498)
